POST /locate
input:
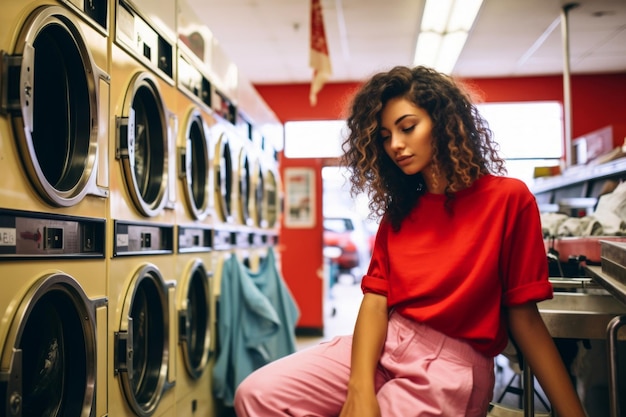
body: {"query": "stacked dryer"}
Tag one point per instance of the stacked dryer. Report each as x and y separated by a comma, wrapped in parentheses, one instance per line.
(224, 232)
(195, 221)
(261, 201)
(244, 163)
(270, 199)
(141, 214)
(257, 222)
(54, 86)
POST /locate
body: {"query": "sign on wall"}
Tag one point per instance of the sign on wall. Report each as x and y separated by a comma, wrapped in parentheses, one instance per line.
(300, 202)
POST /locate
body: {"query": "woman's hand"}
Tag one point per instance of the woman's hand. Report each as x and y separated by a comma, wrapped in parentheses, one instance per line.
(360, 403)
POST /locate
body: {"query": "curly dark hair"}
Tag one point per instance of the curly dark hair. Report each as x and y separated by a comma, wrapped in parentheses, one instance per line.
(463, 148)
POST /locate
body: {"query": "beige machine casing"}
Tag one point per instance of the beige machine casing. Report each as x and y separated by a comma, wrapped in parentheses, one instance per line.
(54, 94)
(141, 214)
(195, 217)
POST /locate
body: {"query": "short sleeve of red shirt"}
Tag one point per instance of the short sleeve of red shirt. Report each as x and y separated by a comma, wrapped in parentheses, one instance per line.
(378, 267)
(524, 281)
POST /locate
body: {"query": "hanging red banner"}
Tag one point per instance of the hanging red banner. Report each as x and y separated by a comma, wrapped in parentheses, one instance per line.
(319, 58)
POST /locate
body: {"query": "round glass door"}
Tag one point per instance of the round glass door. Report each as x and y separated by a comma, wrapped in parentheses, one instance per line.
(142, 344)
(143, 145)
(223, 179)
(195, 321)
(271, 199)
(258, 195)
(195, 166)
(245, 187)
(54, 104)
(52, 349)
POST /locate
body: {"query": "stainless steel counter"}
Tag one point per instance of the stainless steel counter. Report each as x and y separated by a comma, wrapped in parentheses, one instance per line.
(612, 285)
(581, 310)
(618, 323)
(588, 308)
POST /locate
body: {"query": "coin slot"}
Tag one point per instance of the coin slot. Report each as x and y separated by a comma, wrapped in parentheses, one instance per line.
(146, 240)
(53, 238)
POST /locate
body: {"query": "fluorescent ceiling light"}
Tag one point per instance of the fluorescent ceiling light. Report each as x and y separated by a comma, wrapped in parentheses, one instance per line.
(451, 47)
(436, 14)
(443, 32)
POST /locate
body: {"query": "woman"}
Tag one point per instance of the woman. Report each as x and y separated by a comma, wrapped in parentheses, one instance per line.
(458, 265)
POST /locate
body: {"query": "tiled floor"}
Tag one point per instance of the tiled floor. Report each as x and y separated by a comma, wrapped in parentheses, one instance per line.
(341, 309)
(346, 297)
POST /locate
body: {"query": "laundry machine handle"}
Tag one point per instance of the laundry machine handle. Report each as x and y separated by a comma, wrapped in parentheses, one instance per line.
(124, 352)
(11, 386)
(15, 80)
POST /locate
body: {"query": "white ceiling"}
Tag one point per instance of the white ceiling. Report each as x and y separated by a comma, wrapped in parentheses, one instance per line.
(269, 39)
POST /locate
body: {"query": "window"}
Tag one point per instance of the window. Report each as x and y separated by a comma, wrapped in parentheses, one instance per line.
(315, 139)
(530, 134)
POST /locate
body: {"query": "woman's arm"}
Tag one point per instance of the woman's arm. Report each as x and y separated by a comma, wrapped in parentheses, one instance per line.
(540, 352)
(370, 332)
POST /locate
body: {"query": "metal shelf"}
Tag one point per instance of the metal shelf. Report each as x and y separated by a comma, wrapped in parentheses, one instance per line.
(577, 175)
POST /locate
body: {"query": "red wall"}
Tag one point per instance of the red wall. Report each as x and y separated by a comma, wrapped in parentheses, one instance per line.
(597, 101)
(291, 102)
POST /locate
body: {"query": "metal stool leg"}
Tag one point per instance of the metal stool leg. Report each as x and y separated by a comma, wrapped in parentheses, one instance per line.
(529, 392)
(612, 329)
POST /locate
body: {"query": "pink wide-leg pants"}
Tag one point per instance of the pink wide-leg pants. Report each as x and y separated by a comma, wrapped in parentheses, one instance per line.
(421, 373)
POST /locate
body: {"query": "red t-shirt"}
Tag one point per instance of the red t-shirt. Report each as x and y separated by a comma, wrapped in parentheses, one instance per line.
(455, 271)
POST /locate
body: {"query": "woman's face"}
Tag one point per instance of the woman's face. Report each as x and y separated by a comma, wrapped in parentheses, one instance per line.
(406, 133)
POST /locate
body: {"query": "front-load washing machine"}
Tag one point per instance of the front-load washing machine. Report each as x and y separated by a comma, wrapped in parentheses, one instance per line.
(196, 310)
(143, 124)
(257, 238)
(223, 175)
(141, 324)
(241, 148)
(257, 191)
(225, 232)
(271, 205)
(194, 146)
(54, 93)
(231, 180)
(272, 197)
(53, 324)
(141, 266)
(194, 257)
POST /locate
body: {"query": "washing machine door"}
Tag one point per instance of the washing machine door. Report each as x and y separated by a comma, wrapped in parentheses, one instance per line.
(49, 358)
(223, 166)
(271, 204)
(258, 195)
(245, 188)
(143, 134)
(195, 319)
(142, 342)
(50, 87)
(194, 166)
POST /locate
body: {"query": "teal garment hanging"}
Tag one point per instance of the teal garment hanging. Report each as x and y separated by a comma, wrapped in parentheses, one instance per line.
(257, 316)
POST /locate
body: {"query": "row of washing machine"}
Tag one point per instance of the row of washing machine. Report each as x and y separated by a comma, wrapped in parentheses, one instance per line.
(122, 191)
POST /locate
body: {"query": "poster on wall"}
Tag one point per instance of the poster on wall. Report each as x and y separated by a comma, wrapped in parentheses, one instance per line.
(300, 201)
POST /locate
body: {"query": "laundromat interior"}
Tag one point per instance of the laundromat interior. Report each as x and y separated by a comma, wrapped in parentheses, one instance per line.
(147, 175)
